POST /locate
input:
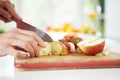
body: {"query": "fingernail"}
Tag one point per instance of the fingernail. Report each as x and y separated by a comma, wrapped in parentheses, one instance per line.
(27, 54)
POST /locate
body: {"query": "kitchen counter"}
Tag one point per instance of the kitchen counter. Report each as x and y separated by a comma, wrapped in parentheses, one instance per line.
(7, 71)
(76, 74)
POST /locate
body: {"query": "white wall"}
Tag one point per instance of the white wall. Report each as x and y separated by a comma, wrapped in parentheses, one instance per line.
(52, 12)
(67, 11)
(112, 27)
(42, 13)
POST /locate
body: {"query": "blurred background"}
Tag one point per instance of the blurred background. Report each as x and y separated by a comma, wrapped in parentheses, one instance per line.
(94, 17)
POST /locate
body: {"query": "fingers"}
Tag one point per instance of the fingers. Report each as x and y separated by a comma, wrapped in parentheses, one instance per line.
(30, 40)
(5, 15)
(22, 40)
(25, 40)
(5, 20)
(18, 54)
(7, 11)
(34, 35)
(22, 54)
(10, 8)
(22, 45)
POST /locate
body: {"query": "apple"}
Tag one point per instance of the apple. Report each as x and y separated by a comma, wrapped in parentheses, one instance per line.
(70, 41)
(72, 47)
(53, 48)
(70, 36)
(58, 48)
(91, 46)
(77, 40)
(67, 45)
(46, 50)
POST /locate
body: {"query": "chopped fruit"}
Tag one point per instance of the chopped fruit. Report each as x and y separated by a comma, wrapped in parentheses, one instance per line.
(59, 48)
(46, 50)
(106, 51)
(64, 50)
(70, 36)
(87, 41)
(76, 40)
(69, 45)
(91, 46)
(73, 43)
(56, 48)
(72, 47)
(73, 39)
(63, 40)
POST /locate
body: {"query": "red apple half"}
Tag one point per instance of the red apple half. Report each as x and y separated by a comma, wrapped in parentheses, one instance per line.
(91, 46)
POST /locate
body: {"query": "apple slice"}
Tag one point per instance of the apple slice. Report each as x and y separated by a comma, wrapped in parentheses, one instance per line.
(91, 46)
(64, 50)
(46, 50)
(58, 48)
(72, 47)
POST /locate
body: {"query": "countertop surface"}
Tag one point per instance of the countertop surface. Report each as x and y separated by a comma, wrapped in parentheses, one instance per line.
(7, 71)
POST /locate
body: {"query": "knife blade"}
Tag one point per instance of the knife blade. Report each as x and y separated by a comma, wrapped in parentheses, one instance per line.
(25, 26)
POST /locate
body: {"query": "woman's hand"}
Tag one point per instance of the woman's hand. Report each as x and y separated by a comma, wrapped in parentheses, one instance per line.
(7, 12)
(19, 43)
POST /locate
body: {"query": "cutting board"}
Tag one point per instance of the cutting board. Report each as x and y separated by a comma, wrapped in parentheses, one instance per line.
(72, 61)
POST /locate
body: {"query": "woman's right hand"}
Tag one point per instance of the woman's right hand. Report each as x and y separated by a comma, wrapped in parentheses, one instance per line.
(20, 43)
(7, 11)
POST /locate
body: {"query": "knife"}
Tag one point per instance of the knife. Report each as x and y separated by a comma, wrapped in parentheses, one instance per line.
(25, 26)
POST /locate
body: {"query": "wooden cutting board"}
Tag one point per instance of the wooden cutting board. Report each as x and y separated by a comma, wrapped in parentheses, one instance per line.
(75, 60)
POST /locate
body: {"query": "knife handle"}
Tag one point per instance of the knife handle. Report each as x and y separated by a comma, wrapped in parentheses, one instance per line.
(18, 22)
